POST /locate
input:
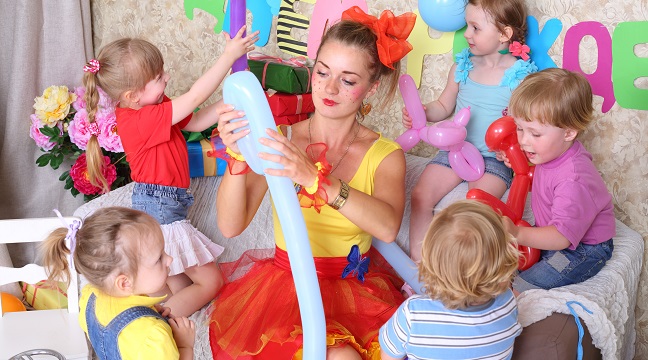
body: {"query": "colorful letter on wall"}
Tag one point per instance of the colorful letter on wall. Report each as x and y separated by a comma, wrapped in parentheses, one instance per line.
(325, 14)
(540, 42)
(289, 19)
(601, 79)
(214, 7)
(627, 67)
(424, 45)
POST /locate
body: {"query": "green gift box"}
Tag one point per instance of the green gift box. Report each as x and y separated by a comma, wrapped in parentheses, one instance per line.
(281, 75)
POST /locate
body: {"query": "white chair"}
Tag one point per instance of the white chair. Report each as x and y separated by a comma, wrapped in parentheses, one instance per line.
(57, 330)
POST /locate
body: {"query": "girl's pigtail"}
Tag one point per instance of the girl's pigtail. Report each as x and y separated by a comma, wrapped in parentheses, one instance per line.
(94, 154)
(55, 254)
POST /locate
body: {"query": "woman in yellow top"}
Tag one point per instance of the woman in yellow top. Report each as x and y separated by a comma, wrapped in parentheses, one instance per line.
(351, 184)
(120, 251)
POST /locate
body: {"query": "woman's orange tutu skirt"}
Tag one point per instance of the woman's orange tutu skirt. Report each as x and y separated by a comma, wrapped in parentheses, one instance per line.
(257, 316)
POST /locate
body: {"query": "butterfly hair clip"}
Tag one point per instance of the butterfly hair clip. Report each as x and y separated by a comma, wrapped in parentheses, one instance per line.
(358, 265)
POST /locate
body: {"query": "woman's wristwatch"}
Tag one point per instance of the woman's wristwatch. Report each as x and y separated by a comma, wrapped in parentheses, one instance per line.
(341, 199)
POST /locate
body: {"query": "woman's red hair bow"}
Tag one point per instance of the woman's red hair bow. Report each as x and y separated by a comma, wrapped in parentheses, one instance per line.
(392, 32)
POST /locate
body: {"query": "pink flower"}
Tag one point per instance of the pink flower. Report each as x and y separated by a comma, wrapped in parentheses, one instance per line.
(79, 174)
(105, 102)
(42, 141)
(79, 129)
(108, 138)
(519, 50)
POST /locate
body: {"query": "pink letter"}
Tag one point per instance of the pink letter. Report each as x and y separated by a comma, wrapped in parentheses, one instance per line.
(325, 14)
(601, 78)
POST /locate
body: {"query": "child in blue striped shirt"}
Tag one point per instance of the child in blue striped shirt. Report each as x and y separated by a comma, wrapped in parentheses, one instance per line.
(467, 265)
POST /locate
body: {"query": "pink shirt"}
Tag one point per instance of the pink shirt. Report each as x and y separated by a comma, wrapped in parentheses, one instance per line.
(569, 193)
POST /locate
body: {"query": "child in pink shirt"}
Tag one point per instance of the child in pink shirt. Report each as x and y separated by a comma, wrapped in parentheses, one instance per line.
(573, 210)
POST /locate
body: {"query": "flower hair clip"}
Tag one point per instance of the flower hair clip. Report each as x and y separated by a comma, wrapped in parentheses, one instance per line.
(92, 66)
(518, 50)
(391, 32)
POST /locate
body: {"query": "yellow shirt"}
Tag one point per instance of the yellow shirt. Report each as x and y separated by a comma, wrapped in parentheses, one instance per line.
(330, 233)
(144, 338)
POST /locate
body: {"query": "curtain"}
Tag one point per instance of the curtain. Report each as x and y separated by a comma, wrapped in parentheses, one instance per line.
(42, 43)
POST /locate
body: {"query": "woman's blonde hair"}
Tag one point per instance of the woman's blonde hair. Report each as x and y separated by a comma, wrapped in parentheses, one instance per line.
(467, 257)
(505, 13)
(124, 65)
(553, 96)
(107, 244)
(360, 36)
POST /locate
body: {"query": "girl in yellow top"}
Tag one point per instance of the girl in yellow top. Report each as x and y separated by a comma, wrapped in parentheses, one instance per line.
(120, 252)
(335, 160)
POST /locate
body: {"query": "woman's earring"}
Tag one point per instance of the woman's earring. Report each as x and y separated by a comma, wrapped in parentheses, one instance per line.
(365, 109)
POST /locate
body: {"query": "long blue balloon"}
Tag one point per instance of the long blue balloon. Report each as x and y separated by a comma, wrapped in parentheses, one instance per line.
(404, 266)
(242, 89)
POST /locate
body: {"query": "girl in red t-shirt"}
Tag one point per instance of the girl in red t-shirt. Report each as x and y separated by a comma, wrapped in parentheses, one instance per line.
(131, 71)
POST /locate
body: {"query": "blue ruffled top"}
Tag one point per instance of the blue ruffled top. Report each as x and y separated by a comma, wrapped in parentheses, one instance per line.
(512, 76)
(487, 102)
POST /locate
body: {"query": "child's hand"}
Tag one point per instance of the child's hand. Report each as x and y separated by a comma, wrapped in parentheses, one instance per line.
(509, 226)
(226, 127)
(240, 45)
(501, 156)
(407, 120)
(184, 332)
(163, 310)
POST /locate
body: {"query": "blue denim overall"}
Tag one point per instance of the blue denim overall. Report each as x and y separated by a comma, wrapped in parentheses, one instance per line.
(104, 338)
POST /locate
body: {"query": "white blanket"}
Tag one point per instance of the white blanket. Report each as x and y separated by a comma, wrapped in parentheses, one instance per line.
(610, 295)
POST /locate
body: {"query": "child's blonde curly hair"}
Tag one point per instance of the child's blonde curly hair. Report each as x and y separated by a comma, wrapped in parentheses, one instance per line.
(468, 257)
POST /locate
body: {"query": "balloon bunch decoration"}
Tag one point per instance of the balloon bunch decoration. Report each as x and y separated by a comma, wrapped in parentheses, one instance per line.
(243, 91)
(464, 158)
(443, 15)
(501, 136)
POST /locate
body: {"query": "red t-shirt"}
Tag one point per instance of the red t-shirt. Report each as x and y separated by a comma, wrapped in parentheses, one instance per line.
(155, 150)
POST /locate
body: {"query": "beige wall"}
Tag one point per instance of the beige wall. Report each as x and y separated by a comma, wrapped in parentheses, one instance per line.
(618, 139)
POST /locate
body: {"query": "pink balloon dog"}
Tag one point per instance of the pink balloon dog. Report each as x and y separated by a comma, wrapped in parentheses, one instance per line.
(466, 161)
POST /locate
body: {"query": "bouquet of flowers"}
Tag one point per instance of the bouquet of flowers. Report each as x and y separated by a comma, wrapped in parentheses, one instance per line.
(61, 129)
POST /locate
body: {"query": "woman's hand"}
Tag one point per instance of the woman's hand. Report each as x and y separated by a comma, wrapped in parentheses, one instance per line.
(226, 126)
(296, 164)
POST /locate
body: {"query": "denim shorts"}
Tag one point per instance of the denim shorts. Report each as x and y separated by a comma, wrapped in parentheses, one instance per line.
(564, 267)
(165, 203)
(492, 166)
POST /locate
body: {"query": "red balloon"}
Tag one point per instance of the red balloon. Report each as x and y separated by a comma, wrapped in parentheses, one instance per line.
(502, 136)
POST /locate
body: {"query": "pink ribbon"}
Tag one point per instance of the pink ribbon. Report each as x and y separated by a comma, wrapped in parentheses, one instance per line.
(92, 66)
(93, 128)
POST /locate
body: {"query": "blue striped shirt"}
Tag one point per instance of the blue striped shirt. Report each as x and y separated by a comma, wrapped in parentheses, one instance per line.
(423, 328)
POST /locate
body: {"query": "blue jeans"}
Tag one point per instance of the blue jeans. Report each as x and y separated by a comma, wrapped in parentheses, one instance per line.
(491, 166)
(564, 267)
(165, 203)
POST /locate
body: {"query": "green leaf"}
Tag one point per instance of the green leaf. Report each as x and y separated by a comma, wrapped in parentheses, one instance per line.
(64, 176)
(74, 192)
(43, 160)
(52, 132)
(56, 161)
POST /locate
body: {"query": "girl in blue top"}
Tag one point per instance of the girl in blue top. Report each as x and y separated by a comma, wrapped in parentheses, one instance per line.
(483, 78)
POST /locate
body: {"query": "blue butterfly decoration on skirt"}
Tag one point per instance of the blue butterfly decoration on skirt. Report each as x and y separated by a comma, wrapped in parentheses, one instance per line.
(358, 265)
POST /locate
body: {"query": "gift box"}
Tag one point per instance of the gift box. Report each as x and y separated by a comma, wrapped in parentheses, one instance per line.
(288, 76)
(44, 296)
(282, 104)
(200, 163)
(290, 119)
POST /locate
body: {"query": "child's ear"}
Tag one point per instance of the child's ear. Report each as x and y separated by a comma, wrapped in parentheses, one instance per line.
(570, 134)
(507, 34)
(131, 96)
(123, 283)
